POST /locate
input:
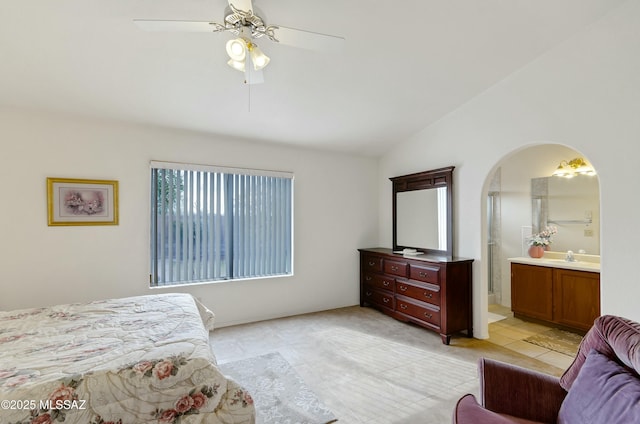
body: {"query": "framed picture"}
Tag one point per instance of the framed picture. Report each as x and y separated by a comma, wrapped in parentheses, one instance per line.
(82, 202)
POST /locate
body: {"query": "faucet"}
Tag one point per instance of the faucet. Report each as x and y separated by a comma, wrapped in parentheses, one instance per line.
(569, 257)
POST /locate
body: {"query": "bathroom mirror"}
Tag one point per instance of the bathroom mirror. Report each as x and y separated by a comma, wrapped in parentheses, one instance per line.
(572, 205)
(422, 212)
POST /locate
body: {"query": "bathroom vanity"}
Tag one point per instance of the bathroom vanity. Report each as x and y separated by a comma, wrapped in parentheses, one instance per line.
(554, 291)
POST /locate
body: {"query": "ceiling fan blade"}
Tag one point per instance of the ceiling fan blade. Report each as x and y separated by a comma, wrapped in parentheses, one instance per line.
(244, 5)
(308, 39)
(178, 26)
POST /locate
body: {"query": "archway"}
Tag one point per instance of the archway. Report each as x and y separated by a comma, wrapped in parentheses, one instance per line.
(507, 189)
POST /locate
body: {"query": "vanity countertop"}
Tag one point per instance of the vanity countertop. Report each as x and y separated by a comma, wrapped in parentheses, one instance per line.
(590, 263)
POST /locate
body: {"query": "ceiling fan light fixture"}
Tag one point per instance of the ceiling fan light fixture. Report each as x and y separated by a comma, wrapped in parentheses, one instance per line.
(258, 58)
(238, 65)
(246, 26)
(237, 49)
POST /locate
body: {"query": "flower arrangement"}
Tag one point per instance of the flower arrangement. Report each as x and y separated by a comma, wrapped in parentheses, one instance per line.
(543, 238)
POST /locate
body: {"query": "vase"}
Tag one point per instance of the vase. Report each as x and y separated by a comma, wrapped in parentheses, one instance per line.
(536, 251)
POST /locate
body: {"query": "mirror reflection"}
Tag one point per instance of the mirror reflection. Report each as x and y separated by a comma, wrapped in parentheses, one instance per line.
(573, 206)
(422, 218)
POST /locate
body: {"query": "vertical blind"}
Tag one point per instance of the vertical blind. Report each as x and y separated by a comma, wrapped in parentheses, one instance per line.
(213, 223)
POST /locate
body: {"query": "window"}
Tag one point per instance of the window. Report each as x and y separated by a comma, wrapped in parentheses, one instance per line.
(211, 223)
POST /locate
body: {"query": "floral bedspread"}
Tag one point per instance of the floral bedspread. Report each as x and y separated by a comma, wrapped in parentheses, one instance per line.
(135, 360)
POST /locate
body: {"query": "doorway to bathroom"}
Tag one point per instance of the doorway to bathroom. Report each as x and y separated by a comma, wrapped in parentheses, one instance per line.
(512, 217)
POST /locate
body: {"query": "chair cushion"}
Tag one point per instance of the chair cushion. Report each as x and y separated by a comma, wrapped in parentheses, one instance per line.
(612, 336)
(468, 411)
(604, 392)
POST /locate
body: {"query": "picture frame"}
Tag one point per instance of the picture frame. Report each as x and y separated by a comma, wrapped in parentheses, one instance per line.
(73, 201)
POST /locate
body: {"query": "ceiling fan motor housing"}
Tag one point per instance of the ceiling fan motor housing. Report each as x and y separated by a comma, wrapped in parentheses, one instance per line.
(236, 21)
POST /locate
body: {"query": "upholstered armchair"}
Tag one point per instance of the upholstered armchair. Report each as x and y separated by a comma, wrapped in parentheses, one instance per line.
(602, 384)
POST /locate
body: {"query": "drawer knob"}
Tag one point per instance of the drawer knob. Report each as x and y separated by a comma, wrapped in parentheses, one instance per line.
(428, 295)
(368, 278)
(428, 315)
(423, 274)
(403, 288)
(371, 263)
(394, 268)
(368, 293)
(385, 300)
(403, 306)
(386, 283)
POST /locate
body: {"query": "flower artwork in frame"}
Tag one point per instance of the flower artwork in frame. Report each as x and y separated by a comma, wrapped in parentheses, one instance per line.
(82, 202)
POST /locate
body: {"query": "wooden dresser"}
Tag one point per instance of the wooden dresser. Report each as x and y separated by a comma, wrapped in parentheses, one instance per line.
(431, 291)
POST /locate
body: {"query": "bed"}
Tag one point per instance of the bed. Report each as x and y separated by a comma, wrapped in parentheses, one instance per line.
(134, 360)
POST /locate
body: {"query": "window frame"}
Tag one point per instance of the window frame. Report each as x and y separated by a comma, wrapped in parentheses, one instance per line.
(228, 173)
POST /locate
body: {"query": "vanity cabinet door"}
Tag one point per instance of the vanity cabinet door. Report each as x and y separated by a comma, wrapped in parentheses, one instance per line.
(576, 298)
(532, 291)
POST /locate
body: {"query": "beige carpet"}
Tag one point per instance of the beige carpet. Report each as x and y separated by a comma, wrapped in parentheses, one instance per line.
(369, 368)
(557, 340)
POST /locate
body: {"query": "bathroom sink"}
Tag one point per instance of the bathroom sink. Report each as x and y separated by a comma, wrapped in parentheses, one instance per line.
(583, 262)
(579, 258)
(564, 260)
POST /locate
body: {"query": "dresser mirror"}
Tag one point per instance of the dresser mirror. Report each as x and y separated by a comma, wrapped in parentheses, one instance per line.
(422, 212)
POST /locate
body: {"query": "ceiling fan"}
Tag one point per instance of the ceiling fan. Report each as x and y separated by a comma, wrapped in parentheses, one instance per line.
(244, 53)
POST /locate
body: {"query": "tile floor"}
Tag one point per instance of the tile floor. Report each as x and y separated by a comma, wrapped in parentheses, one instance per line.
(511, 332)
(369, 368)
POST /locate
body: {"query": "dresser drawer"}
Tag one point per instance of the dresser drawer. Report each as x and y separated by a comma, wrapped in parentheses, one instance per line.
(396, 268)
(377, 297)
(379, 281)
(424, 293)
(422, 312)
(371, 263)
(428, 274)
(429, 291)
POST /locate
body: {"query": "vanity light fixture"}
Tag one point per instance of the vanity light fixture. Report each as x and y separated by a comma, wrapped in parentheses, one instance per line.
(577, 166)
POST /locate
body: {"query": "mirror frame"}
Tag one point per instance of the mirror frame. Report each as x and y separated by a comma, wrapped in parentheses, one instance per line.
(436, 178)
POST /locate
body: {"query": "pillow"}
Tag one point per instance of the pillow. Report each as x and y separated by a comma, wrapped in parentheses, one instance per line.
(611, 335)
(603, 392)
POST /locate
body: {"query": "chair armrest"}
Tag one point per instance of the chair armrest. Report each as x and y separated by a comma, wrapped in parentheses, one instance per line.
(523, 393)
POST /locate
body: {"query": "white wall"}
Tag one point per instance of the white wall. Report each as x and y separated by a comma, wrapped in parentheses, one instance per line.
(41, 265)
(584, 94)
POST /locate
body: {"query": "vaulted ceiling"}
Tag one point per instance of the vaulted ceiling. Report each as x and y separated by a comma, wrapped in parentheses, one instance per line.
(405, 64)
